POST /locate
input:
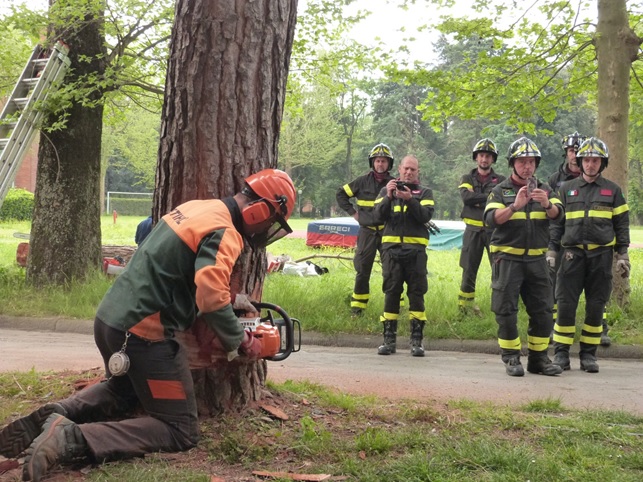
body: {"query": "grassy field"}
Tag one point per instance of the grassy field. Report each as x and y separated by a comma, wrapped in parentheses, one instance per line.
(370, 439)
(328, 432)
(321, 302)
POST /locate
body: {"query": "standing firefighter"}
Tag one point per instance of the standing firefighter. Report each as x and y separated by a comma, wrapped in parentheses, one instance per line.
(519, 210)
(475, 187)
(369, 239)
(181, 270)
(568, 171)
(596, 224)
(405, 207)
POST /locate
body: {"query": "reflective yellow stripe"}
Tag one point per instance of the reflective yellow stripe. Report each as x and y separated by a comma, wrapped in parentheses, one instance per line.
(389, 316)
(621, 209)
(555, 200)
(509, 344)
(538, 215)
(360, 297)
(376, 228)
(427, 202)
(494, 206)
(590, 340)
(409, 240)
(592, 329)
(589, 247)
(399, 209)
(467, 295)
(418, 315)
(378, 200)
(348, 190)
(592, 213)
(567, 340)
(363, 202)
(473, 222)
(564, 329)
(518, 216)
(517, 251)
(599, 214)
(465, 185)
(358, 304)
(574, 214)
(422, 241)
(537, 343)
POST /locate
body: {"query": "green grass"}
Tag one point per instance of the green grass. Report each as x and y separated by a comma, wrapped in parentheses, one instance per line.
(371, 439)
(321, 303)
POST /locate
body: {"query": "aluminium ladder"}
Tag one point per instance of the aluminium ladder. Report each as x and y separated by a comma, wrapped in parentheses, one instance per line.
(21, 115)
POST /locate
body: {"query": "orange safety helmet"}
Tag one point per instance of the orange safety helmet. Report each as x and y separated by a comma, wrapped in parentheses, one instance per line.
(274, 199)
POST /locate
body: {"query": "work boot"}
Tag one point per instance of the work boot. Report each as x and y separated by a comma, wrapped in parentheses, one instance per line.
(588, 358)
(562, 360)
(417, 328)
(514, 367)
(18, 435)
(588, 364)
(605, 338)
(390, 335)
(561, 355)
(541, 364)
(61, 441)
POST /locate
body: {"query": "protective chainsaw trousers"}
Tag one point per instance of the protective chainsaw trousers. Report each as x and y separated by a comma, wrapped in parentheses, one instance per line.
(158, 380)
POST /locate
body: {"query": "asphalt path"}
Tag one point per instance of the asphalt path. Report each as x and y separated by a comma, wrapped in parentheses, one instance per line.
(441, 376)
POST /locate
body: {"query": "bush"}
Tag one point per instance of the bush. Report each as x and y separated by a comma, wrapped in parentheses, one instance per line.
(18, 205)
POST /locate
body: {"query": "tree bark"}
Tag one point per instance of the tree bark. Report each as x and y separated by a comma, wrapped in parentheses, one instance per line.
(65, 234)
(224, 99)
(616, 47)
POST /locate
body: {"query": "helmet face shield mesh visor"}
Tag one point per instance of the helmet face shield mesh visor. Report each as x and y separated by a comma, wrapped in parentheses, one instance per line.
(275, 232)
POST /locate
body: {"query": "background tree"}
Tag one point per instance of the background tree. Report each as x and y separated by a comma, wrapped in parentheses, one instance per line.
(224, 99)
(65, 235)
(536, 60)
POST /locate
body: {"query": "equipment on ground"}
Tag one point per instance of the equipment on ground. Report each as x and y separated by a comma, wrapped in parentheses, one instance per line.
(21, 115)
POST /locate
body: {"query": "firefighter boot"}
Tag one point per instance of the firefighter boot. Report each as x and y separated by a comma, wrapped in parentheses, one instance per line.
(513, 366)
(390, 335)
(61, 441)
(417, 329)
(538, 362)
(588, 358)
(605, 338)
(561, 356)
(18, 435)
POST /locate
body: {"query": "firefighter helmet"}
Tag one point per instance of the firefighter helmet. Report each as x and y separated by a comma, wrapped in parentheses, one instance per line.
(273, 198)
(381, 150)
(593, 147)
(523, 147)
(485, 145)
(573, 141)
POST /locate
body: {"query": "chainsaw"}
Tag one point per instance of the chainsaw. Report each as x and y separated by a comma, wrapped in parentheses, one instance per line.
(280, 336)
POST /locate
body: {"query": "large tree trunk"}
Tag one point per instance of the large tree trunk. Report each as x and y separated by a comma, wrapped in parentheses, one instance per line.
(65, 234)
(617, 47)
(224, 100)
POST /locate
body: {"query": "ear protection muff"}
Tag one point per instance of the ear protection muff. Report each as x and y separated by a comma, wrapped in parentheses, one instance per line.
(256, 212)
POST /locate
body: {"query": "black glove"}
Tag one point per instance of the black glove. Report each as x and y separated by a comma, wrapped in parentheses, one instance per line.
(433, 228)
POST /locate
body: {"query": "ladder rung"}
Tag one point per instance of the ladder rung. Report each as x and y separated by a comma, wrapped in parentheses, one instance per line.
(3, 143)
(40, 61)
(31, 82)
(21, 102)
